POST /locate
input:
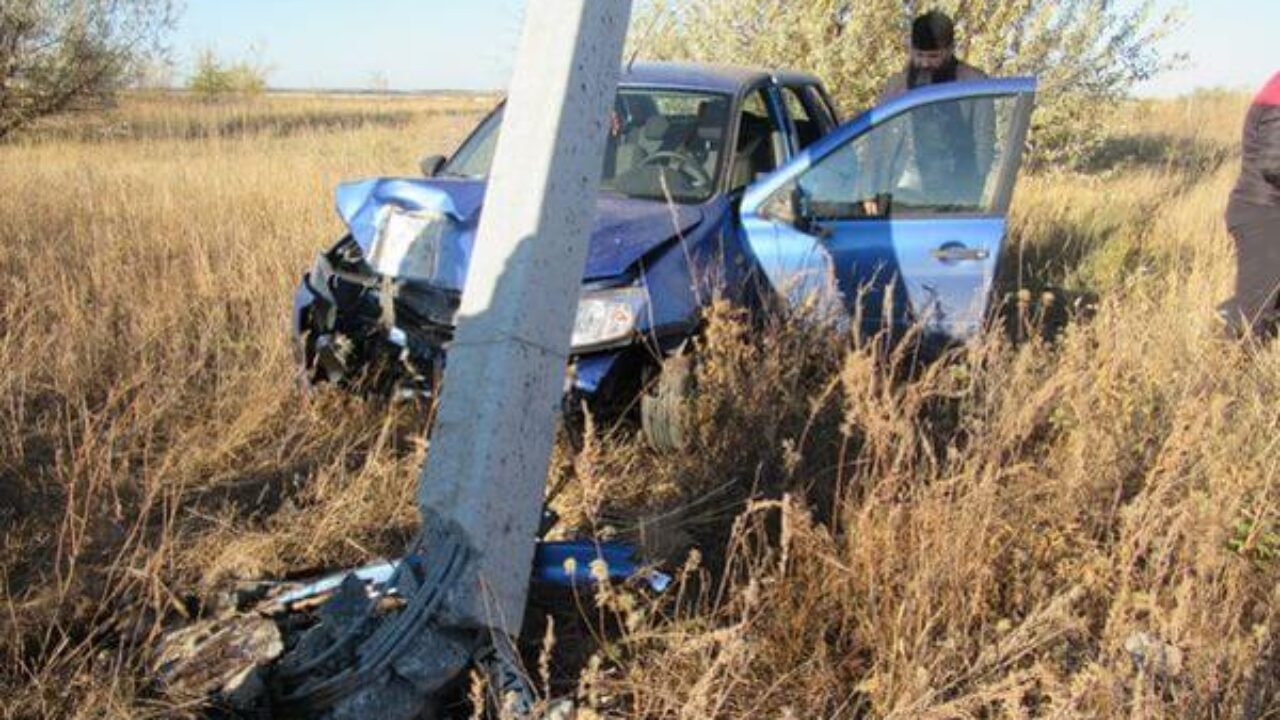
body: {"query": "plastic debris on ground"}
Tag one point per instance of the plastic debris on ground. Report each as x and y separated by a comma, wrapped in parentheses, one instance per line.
(232, 660)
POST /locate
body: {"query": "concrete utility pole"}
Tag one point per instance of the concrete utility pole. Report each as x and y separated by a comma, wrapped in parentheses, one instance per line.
(465, 584)
(485, 476)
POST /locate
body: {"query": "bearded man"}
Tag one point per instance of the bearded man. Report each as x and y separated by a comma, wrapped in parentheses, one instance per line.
(945, 151)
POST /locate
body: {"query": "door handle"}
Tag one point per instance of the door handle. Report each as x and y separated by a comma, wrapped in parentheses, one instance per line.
(957, 252)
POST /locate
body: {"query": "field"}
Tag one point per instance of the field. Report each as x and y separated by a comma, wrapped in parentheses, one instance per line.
(1076, 518)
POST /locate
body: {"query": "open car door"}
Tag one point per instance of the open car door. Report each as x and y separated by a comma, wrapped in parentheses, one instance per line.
(898, 217)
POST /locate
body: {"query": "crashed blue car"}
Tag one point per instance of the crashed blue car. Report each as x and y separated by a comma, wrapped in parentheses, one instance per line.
(718, 182)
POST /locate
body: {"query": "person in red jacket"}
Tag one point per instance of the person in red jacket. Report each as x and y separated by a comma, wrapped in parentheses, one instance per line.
(1253, 217)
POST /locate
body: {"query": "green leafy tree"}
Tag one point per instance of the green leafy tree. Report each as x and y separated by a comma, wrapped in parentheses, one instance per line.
(1088, 54)
(58, 54)
(214, 78)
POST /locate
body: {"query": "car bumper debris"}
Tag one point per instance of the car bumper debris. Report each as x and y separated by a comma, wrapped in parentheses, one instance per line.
(234, 659)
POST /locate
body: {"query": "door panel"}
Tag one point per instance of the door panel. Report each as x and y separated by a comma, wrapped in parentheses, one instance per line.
(933, 272)
(898, 217)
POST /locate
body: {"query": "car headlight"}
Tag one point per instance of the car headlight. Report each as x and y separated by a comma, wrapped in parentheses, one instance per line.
(607, 317)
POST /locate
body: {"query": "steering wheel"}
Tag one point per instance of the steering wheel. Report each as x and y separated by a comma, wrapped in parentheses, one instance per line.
(681, 162)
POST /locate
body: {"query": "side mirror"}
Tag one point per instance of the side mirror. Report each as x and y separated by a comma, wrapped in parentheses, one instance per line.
(431, 165)
(798, 202)
(793, 208)
(784, 206)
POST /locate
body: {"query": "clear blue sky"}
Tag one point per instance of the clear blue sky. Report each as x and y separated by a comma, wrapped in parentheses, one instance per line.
(412, 44)
(1231, 43)
(430, 44)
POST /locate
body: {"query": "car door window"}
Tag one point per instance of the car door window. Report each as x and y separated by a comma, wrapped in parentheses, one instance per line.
(759, 139)
(808, 128)
(939, 159)
(820, 107)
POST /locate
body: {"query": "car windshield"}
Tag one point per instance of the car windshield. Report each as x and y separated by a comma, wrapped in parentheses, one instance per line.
(662, 144)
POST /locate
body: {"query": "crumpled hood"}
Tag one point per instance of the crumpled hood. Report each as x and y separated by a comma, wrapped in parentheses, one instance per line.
(626, 230)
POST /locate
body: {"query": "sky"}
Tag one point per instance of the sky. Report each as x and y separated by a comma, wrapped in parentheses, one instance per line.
(402, 44)
(1230, 43)
(445, 44)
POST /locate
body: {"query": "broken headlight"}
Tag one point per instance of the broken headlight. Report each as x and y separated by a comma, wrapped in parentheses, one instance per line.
(408, 243)
(607, 317)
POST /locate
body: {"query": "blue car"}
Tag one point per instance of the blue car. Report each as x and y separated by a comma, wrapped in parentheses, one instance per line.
(718, 182)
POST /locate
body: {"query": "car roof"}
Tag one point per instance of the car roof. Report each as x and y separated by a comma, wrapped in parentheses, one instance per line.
(730, 79)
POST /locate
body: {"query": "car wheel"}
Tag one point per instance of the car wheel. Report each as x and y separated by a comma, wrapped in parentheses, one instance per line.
(664, 408)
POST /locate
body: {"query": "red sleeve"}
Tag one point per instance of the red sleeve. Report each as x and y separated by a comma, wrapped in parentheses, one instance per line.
(1270, 94)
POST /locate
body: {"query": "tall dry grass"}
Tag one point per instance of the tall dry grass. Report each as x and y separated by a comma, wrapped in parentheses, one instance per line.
(1072, 525)
(1081, 526)
(153, 432)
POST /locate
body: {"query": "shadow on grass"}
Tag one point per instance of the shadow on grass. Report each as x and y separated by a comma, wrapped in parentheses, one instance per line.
(1159, 151)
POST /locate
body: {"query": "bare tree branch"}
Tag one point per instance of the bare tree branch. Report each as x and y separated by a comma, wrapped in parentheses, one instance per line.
(57, 54)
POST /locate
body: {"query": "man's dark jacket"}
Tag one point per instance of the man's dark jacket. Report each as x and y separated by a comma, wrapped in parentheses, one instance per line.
(1260, 175)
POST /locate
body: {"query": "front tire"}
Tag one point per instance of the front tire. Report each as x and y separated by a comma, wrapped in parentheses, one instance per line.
(664, 408)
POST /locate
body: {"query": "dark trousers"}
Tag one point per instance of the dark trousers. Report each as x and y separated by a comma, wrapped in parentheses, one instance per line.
(1256, 305)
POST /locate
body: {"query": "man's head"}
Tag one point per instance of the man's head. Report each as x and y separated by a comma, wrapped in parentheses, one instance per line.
(933, 41)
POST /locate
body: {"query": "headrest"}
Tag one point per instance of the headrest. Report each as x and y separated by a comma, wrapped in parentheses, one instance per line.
(712, 133)
(711, 120)
(656, 127)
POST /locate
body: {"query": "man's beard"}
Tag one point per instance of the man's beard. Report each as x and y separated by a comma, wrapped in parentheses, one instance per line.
(919, 77)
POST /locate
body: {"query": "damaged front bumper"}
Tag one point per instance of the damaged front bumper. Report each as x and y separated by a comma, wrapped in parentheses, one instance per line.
(356, 328)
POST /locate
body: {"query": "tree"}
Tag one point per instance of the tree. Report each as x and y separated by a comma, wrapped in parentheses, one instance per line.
(214, 79)
(1087, 53)
(55, 54)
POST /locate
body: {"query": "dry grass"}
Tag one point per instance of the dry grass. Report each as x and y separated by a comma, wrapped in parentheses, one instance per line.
(160, 116)
(980, 538)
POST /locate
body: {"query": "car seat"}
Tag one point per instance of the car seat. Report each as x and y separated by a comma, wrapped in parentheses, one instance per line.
(709, 134)
(756, 153)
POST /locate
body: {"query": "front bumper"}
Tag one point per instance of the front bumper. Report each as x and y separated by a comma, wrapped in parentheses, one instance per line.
(355, 328)
(343, 337)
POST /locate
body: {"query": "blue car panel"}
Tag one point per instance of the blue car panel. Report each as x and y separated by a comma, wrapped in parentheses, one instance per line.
(870, 272)
(363, 207)
(626, 229)
(590, 371)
